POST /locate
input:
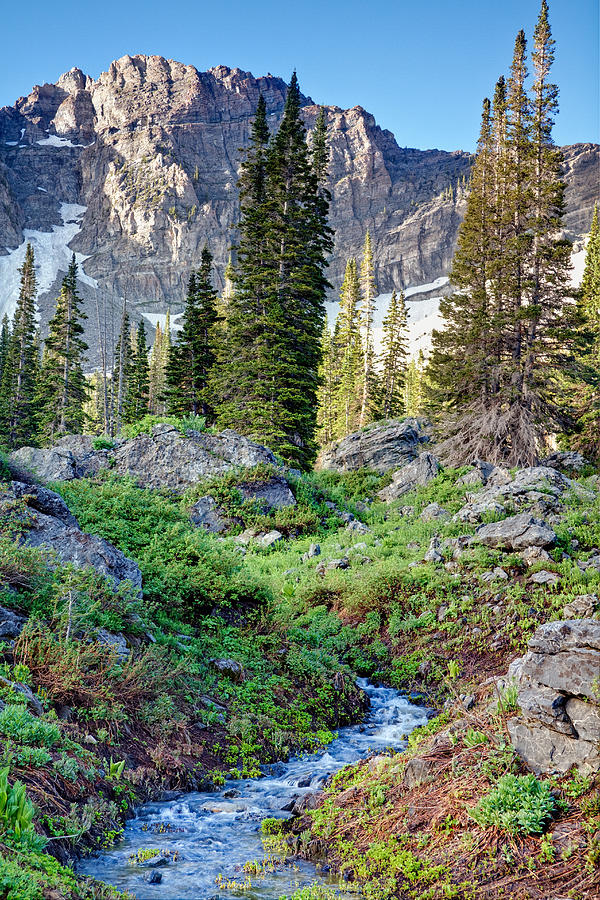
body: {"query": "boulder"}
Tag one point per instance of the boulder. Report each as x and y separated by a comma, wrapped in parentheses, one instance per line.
(116, 642)
(269, 539)
(433, 553)
(230, 668)
(434, 511)
(547, 751)
(565, 461)
(496, 574)
(163, 459)
(418, 770)
(582, 607)
(544, 577)
(313, 550)
(559, 697)
(11, 624)
(516, 533)
(274, 493)
(47, 522)
(205, 513)
(166, 458)
(421, 470)
(539, 487)
(381, 447)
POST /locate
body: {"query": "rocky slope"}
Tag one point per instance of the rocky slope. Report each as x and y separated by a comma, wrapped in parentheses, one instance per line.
(134, 171)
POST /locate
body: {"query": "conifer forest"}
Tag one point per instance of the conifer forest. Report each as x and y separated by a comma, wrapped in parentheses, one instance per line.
(299, 563)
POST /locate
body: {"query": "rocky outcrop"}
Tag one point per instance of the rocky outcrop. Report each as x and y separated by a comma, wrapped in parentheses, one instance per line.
(137, 169)
(516, 533)
(422, 470)
(163, 459)
(382, 447)
(538, 489)
(559, 696)
(46, 522)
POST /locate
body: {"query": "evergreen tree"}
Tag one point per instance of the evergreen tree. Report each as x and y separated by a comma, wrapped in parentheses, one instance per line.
(347, 342)
(121, 371)
(4, 342)
(368, 291)
(414, 386)
(193, 356)
(501, 364)
(159, 358)
(588, 397)
(328, 377)
(395, 352)
(135, 405)
(20, 370)
(269, 381)
(62, 385)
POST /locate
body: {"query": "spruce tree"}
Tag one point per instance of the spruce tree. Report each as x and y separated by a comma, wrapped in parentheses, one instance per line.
(270, 380)
(588, 397)
(121, 370)
(159, 358)
(502, 362)
(367, 309)
(193, 356)
(414, 384)
(328, 377)
(394, 357)
(20, 370)
(62, 385)
(347, 340)
(135, 405)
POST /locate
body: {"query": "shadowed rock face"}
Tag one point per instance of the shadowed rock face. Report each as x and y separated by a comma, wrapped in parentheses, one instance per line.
(151, 150)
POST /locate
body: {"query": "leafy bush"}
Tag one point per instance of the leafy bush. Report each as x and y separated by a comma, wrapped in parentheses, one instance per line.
(519, 804)
(17, 722)
(183, 569)
(16, 813)
(103, 443)
(147, 423)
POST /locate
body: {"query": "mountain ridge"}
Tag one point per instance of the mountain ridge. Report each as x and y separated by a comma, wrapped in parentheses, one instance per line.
(138, 169)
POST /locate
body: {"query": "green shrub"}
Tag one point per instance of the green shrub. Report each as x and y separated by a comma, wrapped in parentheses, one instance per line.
(519, 804)
(16, 813)
(18, 723)
(103, 443)
(147, 423)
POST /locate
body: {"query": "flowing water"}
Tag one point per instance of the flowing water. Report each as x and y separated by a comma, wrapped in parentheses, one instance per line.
(216, 833)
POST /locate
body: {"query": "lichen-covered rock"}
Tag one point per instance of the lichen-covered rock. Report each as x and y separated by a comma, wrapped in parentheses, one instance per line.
(46, 522)
(559, 697)
(207, 514)
(382, 447)
(537, 488)
(274, 493)
(516, 533)
(582, 607)
(421, 470)
(11, 624)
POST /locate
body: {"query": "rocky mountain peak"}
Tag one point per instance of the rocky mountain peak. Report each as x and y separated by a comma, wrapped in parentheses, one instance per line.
(137, 169)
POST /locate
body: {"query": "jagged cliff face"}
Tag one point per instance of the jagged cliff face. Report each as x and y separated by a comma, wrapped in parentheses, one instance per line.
(137, 170)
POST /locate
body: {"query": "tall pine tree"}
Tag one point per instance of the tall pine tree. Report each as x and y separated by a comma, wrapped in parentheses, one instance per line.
(394, 357)
(192, 357)
(62, 385)
(347, 342)
(588, 397)
(269, 382)
(20, 371)
(367, 310)
(135, 405)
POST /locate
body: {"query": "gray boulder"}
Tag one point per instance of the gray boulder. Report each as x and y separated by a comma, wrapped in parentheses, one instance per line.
(537, 487)
(559, 696)
(565, 461)
(434, 512)
(229, 667)
(269, 539)
(166, 458)
(582, 607)
(544, 577)
(422, 470)
(116, 642)
(48, 523)
(382, 447)
(274, 493)
(207, 514)
(516, 533)
(11, 624)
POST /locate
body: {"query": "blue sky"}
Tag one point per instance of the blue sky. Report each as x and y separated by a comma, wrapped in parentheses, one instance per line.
(421, 67)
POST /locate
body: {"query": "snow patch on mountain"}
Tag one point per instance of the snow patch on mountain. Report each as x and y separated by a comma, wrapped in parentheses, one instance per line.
(54, 140)
(161, 319)
(52, 255)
